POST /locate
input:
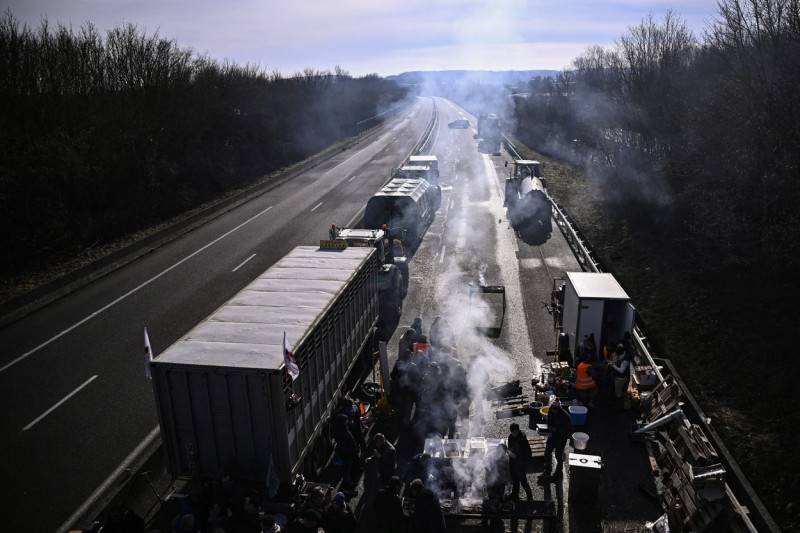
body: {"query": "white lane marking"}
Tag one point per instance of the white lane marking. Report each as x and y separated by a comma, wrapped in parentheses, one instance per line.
(148, 282)
(351, 179)
(243, 263)
(441, 257)
(64, 399)
(113, 478)
(452, 203)
(345, 161)
(316, 206)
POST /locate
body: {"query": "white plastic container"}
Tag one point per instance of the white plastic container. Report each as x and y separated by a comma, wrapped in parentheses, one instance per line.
(580, 440)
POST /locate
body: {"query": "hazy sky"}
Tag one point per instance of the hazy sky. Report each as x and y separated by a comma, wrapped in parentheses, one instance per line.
(375, 36)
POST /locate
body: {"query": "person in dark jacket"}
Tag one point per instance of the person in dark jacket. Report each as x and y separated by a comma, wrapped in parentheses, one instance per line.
(308, 522)
(559, 424)
(498, 473)
(386, 457)
(339, 517)
(389, 508)
(406, 382)
(346, 449)
(428, 516)
(353, 412)
(417, 326)
(519, 452)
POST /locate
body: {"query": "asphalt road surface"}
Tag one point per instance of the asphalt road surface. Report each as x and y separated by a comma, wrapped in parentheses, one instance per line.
(75, 398)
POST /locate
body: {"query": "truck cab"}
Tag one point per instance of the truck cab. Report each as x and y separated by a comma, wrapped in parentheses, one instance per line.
(522, 170)
(422, 169)
(393, 274)
(526, 168)
(425, 160)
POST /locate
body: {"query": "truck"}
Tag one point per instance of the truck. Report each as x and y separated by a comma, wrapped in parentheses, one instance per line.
(422, 167)
(489, 134)
(593, 303)
(405, 206)
(226, 400)
(527, 202)
(393, 273)
(430, 161)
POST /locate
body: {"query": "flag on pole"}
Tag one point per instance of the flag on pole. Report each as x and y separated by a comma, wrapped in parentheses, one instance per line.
(148, 355)
(273, 482)
(288, 359)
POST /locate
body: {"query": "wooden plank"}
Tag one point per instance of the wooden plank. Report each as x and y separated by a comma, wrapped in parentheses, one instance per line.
(704, 517)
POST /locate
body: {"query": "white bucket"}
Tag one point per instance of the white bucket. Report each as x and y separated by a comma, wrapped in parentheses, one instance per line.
(580, 440)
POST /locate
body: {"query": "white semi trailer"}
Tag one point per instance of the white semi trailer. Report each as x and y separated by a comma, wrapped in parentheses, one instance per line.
(224, 397)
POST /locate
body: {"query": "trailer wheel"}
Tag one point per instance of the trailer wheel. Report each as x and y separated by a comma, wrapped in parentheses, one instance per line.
(319, 456)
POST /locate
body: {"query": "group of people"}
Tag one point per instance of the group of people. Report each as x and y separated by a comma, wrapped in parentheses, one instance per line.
(428, 382)
(226, 508)
(604, 371)
(316, 515)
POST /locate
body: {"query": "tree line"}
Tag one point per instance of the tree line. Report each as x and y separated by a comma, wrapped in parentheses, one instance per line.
(698, 138)
(102, 135)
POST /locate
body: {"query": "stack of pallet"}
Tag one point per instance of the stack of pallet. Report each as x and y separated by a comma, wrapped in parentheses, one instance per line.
(693, 482)
(663, 400)
(537, 443)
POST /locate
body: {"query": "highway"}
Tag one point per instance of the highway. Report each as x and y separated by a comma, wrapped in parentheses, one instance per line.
(75, 398)
(471, 242)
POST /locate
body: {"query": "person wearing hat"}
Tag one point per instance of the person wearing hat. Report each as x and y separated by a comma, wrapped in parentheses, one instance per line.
(339, 517)
(559, 424)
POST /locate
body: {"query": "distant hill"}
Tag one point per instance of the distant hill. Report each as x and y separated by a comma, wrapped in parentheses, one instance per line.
(445, 77)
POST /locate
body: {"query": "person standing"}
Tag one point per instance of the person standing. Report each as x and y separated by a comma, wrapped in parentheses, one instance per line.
(519, 452)
(389, 507)
(417, 327)
(406, 381)
(498, 473)
(339, 517)
(346, 449)
(585, 384)
(622, 372)
(428, 516)
(386, 456)
(406, 342)
(587, 350)
(559, 424)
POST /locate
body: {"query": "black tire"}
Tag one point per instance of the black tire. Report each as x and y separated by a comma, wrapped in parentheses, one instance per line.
(320, 453)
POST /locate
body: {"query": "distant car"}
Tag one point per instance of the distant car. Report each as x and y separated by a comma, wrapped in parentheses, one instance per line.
(460, 123)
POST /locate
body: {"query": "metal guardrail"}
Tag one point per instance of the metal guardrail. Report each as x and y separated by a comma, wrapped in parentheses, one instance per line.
(371, 122)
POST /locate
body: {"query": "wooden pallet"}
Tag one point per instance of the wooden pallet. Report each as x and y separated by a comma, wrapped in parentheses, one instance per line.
(537, 443)
(510, 406)
(689, 508)
(663, 400)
